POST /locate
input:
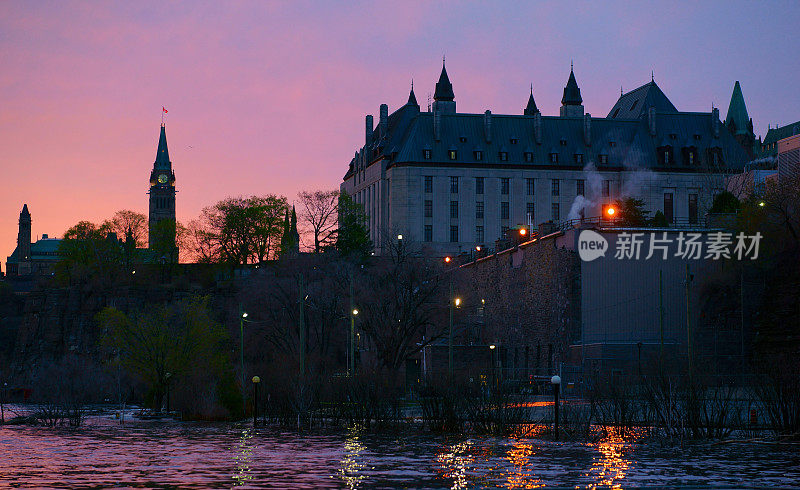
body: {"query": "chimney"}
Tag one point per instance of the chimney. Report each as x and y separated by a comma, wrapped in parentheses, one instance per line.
(715, 122)
(537, 127)
(651, 120)
(487, 125)
(437, 125)
(384, 119)
(587, 129)
(369, 129)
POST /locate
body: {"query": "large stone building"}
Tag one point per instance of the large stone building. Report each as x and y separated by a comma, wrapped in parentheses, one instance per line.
(31, 258)
(456, 180)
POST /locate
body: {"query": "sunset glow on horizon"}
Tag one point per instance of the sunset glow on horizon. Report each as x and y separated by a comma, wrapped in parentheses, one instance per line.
(271, 97)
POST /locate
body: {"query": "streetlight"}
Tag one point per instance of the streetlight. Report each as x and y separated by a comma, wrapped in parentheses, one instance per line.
(255, 380)
(477, 248)
(762, 203)
(523, 232)
(242, 316)
(353, 342)
(447, 259)
(556, 382)
(399, 237)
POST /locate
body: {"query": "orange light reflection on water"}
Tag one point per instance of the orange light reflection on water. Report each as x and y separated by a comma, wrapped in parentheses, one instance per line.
(521, 474)
(611, 467)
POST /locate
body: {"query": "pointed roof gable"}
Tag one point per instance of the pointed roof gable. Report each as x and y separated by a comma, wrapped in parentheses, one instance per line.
(444, 89)
(737, 111)
(572, 94)
(25, 213)
(162, 155)
(412, 99)
(530, 109)
(635, 103)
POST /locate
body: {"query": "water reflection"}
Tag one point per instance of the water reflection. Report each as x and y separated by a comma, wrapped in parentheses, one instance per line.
(610, 468)
(521, 474)
(455, 462)
(243, 458)
(351, 464)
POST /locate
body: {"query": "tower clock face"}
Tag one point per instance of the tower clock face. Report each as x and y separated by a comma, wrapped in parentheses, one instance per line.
(162, 179)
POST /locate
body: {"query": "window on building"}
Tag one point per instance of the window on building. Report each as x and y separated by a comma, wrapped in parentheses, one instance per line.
(668, 211)
(556, 212)
(529, 212)
(452, 154)
(697, 137)
(579, 187)
(478, 185)
(555, 187)
(503, 230)
(453, 233)
(428, 233)
(528, 156)
(462, 139)
(453, 185)
(428, 184)
(673, 136)
(504, 185)
(529, 187)
(478, 155)
(479, 233)
(603, 158)
(504, 210)
(426, 154)
(454, 209)
(514, 141)
(693, 208)
(479, 209)
(503, 155)
(563, 142)
(554, 158)
(428, 208)
(606, 188)
(690, 156)
(578, 158)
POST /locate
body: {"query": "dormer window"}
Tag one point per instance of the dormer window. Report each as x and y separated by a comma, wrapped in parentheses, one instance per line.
(603, 159)
(697, 137)
(478, 155)
(673, 136)
(578, 157)
(612, 144)
(554, 158)
(503, 155)
(563, 142)
(528, 156)
(462, 139)
(426, 154)
(452, 154)
(514, 141)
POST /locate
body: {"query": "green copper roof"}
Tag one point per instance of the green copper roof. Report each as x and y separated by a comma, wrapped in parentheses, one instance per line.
(572, 94)
(530, 109)
(634, 104)
(737, 111)
(444, 89)
(162, 155)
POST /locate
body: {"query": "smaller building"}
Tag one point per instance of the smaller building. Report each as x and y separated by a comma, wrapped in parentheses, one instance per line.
(32, 258)
(789, 158)
(769, 147)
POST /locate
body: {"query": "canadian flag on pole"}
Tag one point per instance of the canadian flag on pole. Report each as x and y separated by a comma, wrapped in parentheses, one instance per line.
(163, 109)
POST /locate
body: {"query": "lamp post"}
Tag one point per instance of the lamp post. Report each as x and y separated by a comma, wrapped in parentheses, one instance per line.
(556, 382)
(255, 380)
(353, 342)
(454, 303)
(168, 375)
(242, 316)
(494, 378)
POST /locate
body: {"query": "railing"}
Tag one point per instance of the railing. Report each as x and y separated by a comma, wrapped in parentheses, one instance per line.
(620, 223)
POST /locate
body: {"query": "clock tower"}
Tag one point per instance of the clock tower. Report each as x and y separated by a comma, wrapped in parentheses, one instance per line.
(162, 202)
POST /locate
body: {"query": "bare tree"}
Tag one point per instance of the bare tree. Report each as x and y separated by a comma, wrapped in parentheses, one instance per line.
(125, 220)
(319, 216)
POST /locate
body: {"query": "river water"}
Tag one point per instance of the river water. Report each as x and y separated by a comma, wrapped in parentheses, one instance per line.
(146, 454)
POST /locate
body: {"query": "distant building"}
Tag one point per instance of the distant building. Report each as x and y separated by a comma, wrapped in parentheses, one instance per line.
(31, 258)
(162, 201)
(739, 123)
(789, 158)
(456, 181)
(769, 147)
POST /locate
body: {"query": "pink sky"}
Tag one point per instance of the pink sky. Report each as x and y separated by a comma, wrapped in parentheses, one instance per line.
(270, 97)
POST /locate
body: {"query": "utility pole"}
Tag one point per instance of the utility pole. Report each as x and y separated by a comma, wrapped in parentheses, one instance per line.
(661, 322)
(241, 347)
(302, 328)
(352, 347)
(450, 336)
(688, 327)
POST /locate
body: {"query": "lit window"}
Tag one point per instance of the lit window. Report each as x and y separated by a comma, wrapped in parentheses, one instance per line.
(603, 159)
(578, 158)
(452, 154)
(529, 187)
(426, 154)
(428, 183)
(554, 158)
(478, 155)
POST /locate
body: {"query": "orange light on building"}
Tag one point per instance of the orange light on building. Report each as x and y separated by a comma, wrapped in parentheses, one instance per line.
(609, 211)
(447, 259)
(523, 232)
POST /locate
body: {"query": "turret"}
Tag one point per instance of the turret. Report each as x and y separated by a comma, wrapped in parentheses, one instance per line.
(443, 97)
(531, 108)
(572, 102)
(24, 235)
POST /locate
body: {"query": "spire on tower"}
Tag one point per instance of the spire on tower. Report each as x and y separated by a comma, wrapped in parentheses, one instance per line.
(572, 94)
(444, 89)
(531, 108)
(162, 154)
(412, 99)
